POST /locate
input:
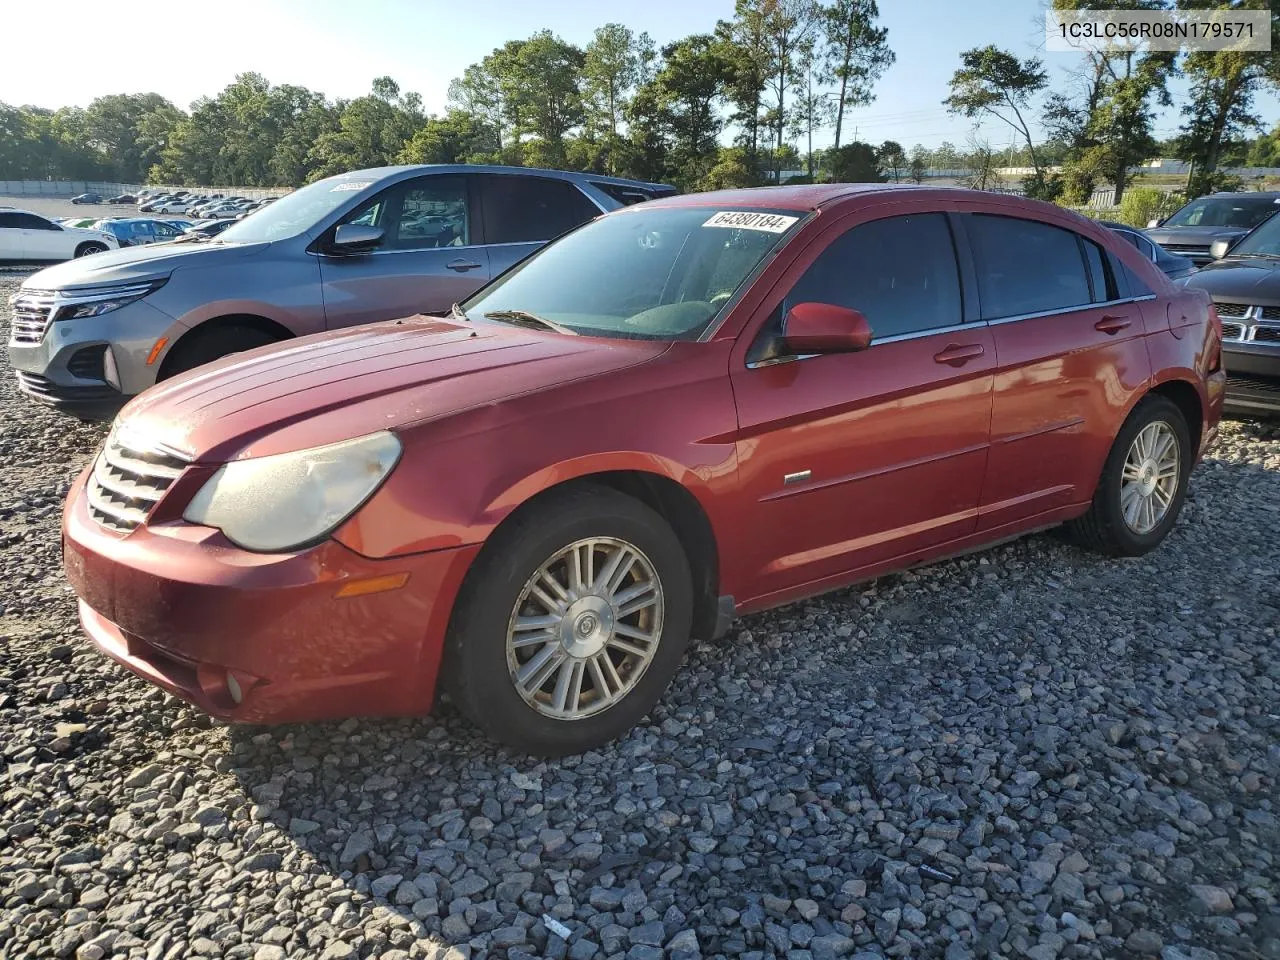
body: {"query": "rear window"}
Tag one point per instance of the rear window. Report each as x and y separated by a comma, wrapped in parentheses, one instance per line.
(1025, 266)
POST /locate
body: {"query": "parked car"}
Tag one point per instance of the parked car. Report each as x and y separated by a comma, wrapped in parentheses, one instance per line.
(176, 205)
(123, 198)
(206, 228)
(1175, 268)
(27, 237)
(136, 231)
(1244, 282)
(677, 413)
(153, 205)
(221, 211)
(339, 252)
(79, 223)
(86, 198)
(1191, 230)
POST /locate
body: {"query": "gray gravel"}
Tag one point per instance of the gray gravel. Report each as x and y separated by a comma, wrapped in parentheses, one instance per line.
(1030, 752)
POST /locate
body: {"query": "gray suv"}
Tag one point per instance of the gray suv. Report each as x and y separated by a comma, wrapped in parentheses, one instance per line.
(370, 245)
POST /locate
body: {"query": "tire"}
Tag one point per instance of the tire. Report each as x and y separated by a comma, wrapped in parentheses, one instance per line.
(1104, 527)
(205, 346)
(85, 249)
(480, 664)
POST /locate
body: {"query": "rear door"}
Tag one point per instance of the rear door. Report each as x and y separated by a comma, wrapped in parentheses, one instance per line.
(1070, 358)
(429, 258)
(522, 212)
(13, 237)
(849, 460)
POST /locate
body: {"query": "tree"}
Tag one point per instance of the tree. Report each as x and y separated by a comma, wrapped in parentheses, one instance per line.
(919, 163)
(854, 162)
(995, 83)
(744, 46)
(611, 68)
(457, 137)
(1223, 86)
(855, 53)
(789, 27)
(891, 159)
(982, 165)
(544, 78)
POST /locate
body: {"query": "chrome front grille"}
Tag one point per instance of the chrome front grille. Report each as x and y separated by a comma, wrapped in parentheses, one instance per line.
(128, 480)
(32, 311)
(1245, 323)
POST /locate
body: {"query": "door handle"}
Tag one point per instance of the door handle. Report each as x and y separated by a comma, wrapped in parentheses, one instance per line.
(1112, 325)
(958, 354)
(462, 266)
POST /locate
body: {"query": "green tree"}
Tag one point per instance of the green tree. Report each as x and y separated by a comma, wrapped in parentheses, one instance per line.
(993, 82)
(854, 55)
(892, 160)
(612, 66)
(457, 137)
(854, 162)
(919, 164)
(1224, 84)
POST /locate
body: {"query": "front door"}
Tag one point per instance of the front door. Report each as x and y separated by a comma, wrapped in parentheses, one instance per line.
(44, 239)
(1070, 355)
(428, 259)
(848, 460)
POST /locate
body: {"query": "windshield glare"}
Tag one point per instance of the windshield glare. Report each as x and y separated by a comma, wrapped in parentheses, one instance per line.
(656, 274)
(1224, 212)
(1265, 241)
(294, 212)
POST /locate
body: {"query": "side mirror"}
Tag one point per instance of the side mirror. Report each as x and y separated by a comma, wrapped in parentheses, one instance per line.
(825, 328)
(1218, 249)
(353, 238)
(1152, 224)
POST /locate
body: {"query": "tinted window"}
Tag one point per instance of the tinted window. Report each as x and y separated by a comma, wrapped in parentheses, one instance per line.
(10, 220)
(900, 272)
(525, 209)
(1104, 288)
(1236, 211)
(432, 213)
(1025, 266)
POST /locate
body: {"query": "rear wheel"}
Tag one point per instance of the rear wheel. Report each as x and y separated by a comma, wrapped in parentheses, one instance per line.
(1143, 483)
(85, 249)
(205, 346)
(572, 625)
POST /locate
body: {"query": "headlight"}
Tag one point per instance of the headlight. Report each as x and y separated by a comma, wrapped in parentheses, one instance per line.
(73, 304)
(292, 500)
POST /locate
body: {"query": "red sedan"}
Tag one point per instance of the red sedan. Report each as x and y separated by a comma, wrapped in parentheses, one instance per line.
(683, 411)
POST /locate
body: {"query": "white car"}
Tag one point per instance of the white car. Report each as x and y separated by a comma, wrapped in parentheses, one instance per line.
(224, 211)
(29, 236)
(175, 206)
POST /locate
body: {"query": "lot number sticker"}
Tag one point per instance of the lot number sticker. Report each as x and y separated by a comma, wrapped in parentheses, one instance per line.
(768, 222)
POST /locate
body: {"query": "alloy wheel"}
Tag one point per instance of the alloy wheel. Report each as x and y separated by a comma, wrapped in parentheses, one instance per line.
(1150, 477)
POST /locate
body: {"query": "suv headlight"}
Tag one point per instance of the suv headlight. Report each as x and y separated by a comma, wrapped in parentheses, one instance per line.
(291, 500)
(74, 304)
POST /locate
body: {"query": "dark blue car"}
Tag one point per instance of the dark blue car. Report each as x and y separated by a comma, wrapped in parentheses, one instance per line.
(136, 231)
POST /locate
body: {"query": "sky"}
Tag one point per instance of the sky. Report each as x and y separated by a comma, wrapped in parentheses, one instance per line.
(339, 46)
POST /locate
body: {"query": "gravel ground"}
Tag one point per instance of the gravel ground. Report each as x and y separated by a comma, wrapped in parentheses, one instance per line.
(1030, 752)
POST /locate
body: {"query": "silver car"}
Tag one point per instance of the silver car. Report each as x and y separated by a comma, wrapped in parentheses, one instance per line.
(356, 248)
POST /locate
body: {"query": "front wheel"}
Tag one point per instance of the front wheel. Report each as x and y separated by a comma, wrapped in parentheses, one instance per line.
(572, 624)
(85, 249)
(1143, 483)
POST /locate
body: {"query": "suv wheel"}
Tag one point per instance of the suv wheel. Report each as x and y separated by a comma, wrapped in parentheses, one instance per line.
(572, 624)
(85, 249)
(205, 346)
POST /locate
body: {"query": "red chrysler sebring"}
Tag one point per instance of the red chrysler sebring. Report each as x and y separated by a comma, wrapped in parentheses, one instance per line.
(682, 411)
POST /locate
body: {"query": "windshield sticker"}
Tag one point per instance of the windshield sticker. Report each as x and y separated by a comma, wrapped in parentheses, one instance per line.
(350, 185)
(768, 222)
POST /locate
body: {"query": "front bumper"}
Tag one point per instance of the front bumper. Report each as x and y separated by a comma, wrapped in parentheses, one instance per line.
(1253, 377)
(61, 368)
(182, 607)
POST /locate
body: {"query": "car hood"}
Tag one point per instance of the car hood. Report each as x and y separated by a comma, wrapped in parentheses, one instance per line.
(1194, 235)
(348, 383)
(1240, 281)
(131, 264)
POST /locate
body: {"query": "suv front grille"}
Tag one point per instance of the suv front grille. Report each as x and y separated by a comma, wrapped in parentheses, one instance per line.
(1232, 331)
(1270, 313)
(32, 310)
(1246, 323)
(128, 481)
(1232, 310)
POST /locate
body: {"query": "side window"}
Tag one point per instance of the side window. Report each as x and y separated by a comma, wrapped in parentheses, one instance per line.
(900, 272)
(11, 221)
(1025, 266)
(29, 221)
(433, 213)
(370, 215)
(524, 209)
(1104, 285)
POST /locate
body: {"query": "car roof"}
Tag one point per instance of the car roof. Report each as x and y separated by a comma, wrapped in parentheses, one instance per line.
(400, 172)
(808, 196)
(1251, 194)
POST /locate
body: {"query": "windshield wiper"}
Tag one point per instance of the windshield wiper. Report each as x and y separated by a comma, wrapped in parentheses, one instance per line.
(525, 318)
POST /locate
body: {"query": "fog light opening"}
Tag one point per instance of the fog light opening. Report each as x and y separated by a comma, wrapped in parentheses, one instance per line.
(109, 369)
(233, 688)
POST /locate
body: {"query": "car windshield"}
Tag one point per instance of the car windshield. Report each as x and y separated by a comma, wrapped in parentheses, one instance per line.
(295, 212)
(660, 273)
(1240, 211)
(1263, 242)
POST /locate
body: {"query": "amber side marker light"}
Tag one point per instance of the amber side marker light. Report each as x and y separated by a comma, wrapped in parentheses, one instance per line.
(155, 351)
(362, 588)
